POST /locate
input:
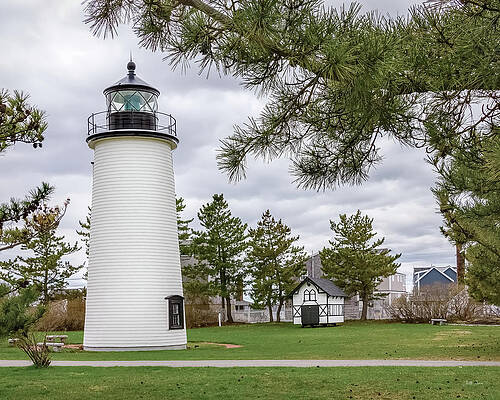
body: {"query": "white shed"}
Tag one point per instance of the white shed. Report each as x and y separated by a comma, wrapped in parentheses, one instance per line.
(317, 301)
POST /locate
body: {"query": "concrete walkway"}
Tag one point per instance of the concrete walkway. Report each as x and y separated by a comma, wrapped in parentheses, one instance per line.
(262, 363)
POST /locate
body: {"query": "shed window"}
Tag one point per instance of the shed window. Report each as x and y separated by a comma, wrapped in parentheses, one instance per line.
(309, 295)
(336, 309)
(176, 312)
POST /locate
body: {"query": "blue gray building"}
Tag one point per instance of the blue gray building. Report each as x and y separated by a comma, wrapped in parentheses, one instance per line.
(427, 276)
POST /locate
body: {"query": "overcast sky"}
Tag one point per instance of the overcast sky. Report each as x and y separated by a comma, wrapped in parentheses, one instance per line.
(46, 50)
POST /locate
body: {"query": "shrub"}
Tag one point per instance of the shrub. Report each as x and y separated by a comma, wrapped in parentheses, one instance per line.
(18, 315)
(17, 312)
(63, 315)
(462, 307)
(39, 355)
(199, 315)
(449, 302)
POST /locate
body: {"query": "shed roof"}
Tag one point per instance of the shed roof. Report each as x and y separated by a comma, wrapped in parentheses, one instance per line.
(324, 284)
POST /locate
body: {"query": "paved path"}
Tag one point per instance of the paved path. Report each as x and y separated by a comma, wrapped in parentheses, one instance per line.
(261, 363)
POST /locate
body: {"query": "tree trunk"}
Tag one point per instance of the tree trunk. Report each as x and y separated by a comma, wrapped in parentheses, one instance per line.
(270, 308)
(460, 264)
(222, 277)
(364, 311)
(228, 310)
(278, 311)
(45, 289)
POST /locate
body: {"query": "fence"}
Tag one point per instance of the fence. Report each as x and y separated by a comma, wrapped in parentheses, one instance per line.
(251, 316)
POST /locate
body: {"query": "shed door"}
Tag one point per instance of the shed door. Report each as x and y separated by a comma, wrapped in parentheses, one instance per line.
(310, 315)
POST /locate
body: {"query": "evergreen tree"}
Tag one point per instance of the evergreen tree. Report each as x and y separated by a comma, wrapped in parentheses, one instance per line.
(275, 263)
(337, 80)
(354, 262)
(194, 280)
(19, 121)
(183, 227)
(17, 314)
(45, 268)
(84, 234)
(454, 234)
(218, 250)
(14, 229)
(84, 231)
(468, 194)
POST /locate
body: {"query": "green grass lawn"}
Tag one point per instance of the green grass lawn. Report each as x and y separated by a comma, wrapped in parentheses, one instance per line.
(249, 383)
(354, 340)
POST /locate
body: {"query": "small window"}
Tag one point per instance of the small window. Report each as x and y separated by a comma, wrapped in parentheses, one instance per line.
(336, 310)
(176, 312)
(309, 295)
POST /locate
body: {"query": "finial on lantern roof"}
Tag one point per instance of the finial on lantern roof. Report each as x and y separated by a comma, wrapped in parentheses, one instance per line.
(131, 66)
(131, 82)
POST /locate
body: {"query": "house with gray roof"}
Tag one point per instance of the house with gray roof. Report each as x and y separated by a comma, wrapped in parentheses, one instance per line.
(429, 276)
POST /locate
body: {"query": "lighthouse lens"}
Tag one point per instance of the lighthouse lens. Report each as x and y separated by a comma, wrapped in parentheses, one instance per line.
(132, 100)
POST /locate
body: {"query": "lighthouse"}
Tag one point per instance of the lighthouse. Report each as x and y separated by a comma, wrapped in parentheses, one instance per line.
(134, 291)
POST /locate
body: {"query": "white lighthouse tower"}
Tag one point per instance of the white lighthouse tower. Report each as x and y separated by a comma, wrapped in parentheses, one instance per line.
(134, 291)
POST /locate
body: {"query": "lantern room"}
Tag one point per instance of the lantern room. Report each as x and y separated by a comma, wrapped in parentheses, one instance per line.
(132, 105)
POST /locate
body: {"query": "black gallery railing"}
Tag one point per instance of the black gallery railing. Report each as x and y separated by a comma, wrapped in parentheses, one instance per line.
(105, 121)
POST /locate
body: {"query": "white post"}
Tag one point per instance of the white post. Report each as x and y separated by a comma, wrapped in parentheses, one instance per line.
(220, 319)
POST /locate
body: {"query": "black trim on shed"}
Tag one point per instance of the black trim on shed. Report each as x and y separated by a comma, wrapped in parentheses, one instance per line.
(324, 284)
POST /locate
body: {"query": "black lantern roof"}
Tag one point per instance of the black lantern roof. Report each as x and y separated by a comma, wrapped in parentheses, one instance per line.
(131, 81)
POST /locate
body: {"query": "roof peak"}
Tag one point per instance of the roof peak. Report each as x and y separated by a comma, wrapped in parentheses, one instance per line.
(132, 81)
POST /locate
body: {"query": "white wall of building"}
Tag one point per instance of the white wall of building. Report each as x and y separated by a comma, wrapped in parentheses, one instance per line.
(322, 299)
(134, 250)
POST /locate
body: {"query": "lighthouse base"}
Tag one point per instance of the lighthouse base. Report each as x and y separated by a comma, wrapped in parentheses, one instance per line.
(141, 348)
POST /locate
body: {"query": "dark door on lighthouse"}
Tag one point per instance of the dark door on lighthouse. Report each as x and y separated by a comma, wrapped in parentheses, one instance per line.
(310, 314)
